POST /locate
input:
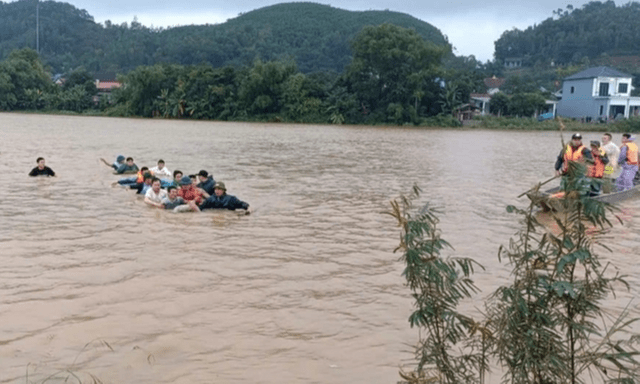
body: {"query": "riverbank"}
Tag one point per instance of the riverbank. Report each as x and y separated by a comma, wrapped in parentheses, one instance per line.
(532, 124)
(631, 125)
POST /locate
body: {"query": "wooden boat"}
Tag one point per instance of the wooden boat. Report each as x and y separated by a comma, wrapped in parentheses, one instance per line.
(549, 203)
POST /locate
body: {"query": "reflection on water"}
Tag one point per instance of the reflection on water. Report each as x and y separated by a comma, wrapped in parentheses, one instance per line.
(306, 289)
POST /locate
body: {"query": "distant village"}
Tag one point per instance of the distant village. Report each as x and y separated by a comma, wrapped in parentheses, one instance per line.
(597, 94)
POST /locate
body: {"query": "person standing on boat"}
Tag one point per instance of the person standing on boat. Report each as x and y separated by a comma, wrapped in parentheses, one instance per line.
(611, 171)
(628, 161)
(596, 170)
(574, 151)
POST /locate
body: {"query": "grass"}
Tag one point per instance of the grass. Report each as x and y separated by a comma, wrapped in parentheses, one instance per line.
(532, 124)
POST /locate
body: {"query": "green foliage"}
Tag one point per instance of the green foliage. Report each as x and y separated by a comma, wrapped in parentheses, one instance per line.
(316, 36)
(83, 78)
(23, 81)
(525, 104)
(518, 104)
(262, 91)
(392, 68)
(499, 105)
(438, 284)
(575, 36)
(545, 323)
(143, 89)
(74, 99)
(631, 125)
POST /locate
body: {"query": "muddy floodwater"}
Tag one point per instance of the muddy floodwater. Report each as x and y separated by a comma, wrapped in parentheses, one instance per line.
(306, 289)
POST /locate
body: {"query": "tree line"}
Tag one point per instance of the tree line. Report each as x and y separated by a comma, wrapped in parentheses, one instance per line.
(373, 89)
(573, 35)
(316, 36)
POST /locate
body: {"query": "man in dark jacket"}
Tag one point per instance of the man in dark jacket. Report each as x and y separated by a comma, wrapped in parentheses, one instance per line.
(207, 182)
(41, 169)
(220, 200)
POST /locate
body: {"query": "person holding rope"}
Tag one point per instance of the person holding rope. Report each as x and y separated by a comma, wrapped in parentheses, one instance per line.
(574, 151)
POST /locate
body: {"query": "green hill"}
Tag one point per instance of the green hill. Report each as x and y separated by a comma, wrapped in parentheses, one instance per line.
(315, 36)
(576, 35)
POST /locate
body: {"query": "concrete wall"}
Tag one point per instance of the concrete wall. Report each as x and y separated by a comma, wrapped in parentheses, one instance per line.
(579, 103)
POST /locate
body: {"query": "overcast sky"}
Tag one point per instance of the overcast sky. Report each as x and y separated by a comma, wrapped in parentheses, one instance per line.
(471, 26)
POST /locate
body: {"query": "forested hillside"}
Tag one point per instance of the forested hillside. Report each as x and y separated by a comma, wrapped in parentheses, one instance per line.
(315, 36)
(575, 35)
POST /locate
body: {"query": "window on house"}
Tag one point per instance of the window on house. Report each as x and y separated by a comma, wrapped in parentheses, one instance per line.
(601, 109)
(573, 89)
(622, 88)
(604, 89)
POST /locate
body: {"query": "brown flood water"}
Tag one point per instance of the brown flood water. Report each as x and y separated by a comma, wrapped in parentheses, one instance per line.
(304, 290)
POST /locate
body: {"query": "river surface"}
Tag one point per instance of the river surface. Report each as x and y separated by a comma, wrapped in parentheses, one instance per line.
(306, 289)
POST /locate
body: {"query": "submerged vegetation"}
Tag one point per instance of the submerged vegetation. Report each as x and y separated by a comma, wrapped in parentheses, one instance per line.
(546, 325)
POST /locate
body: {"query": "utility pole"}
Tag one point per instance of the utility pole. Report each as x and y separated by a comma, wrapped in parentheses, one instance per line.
(38, 26)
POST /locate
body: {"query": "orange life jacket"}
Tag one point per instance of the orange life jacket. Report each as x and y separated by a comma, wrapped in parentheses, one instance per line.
(140, 178)
(571, 155)
(632, 153)
(597, 169)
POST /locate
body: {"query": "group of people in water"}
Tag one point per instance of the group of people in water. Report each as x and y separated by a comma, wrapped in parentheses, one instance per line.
(609, 168)
(164, 189)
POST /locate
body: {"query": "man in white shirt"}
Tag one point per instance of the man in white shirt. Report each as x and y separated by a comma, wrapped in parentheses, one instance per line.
(161, 171)
(611, 171)
(155, 195)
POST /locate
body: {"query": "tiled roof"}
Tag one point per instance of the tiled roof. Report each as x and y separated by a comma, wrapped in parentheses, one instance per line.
(494, 82)
(597, 72)
(108, 84)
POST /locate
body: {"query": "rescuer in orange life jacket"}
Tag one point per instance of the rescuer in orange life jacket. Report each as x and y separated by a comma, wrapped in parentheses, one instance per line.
(595, 170)
(628, 160)
(575, 151)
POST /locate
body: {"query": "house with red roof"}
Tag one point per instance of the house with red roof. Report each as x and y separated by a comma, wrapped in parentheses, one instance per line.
(493, 84)
(105, 83)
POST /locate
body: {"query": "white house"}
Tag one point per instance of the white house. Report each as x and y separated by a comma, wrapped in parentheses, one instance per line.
(513, 62)
(481, 101)
(598, 93)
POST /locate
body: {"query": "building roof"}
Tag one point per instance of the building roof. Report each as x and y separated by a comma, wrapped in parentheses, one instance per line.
(105, 85)
(597, 72)
(480, 96)
(494, 82)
